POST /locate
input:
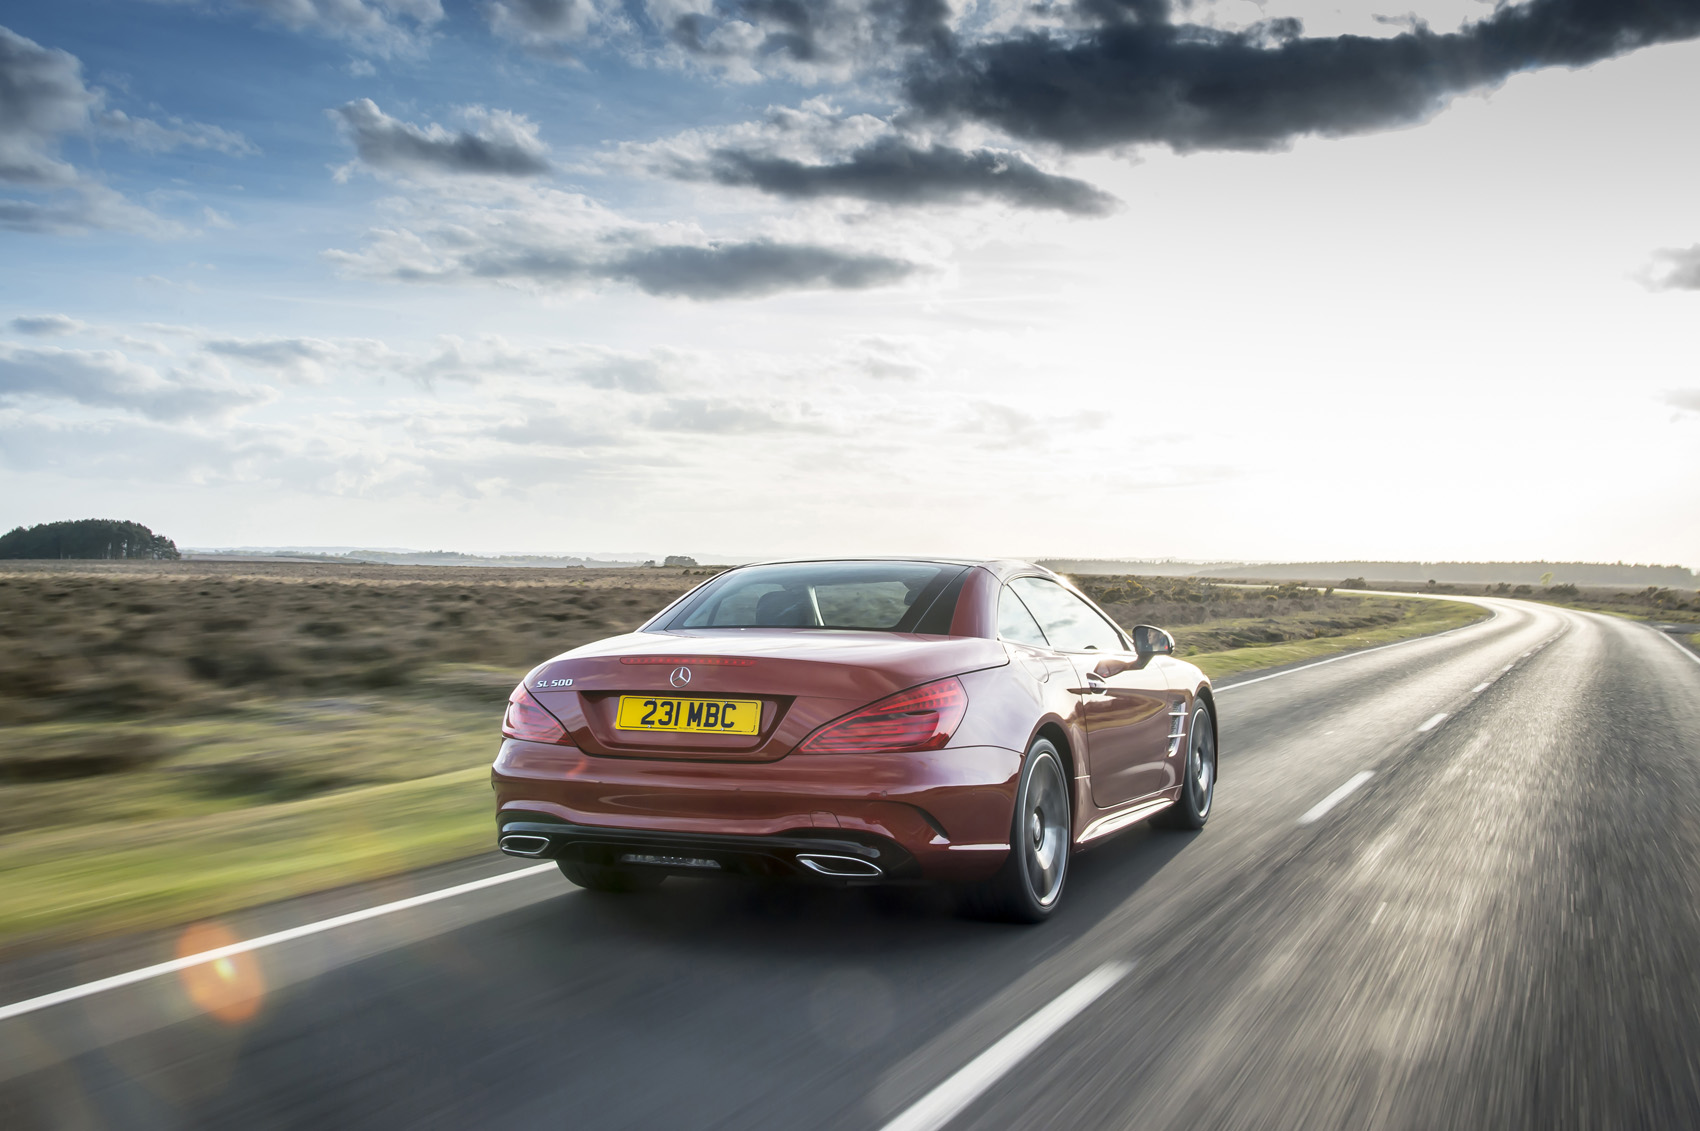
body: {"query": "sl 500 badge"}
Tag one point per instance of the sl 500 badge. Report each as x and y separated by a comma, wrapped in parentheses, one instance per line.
(553, 683)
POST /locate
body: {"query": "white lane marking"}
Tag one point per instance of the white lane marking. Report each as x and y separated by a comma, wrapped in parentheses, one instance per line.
(945, 1102)
(1320, 809)
(88, 989)
(1432, 723)
(1481, 687)
(1511, 665)
(1671, 640)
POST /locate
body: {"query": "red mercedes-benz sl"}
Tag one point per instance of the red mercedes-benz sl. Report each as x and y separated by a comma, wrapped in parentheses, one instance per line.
(860, 721)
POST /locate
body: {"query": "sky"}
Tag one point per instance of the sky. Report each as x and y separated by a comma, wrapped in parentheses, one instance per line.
(1110, 278)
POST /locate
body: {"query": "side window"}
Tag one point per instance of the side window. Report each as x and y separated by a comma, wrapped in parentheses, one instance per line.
(1070, 624)
(1016, 624)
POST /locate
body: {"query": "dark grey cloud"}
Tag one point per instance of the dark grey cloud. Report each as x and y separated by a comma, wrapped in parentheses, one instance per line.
(1136, 77)
(721, 270)
(747, 269)
(1676, 269)
(42, 97)
(108, 379)
(42, 100)
(893, 170)
(753, 268)
(499, 144)
(803, 37)
(46, 325)
(536, 23)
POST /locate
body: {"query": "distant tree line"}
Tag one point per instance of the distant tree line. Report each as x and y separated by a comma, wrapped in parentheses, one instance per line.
(87, 538)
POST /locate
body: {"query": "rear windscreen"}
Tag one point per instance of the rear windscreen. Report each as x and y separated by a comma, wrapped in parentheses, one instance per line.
(890, 596)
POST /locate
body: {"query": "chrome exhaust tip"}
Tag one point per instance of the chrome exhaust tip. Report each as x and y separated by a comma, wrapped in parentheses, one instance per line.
(517, 845)
(840, 866)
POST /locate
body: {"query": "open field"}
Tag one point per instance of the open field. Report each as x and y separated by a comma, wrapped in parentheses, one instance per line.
(181, 739)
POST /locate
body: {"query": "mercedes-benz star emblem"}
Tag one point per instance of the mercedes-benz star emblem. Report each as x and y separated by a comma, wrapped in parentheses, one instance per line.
(680, 676)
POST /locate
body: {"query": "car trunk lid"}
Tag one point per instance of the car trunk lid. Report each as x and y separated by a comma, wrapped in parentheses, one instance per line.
(801, 677)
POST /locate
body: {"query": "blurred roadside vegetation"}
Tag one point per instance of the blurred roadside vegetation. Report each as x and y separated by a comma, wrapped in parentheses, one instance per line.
(1230, 628)
(1655, 603)
(180, 739)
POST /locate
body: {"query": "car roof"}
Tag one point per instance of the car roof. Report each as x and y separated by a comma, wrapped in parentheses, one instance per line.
(999, 567)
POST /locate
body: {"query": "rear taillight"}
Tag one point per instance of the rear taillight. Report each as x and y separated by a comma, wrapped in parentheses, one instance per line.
(922, 718)
(527, 720)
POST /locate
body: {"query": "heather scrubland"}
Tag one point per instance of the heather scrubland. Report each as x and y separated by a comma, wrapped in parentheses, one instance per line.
(181, 738)
(1206, 617)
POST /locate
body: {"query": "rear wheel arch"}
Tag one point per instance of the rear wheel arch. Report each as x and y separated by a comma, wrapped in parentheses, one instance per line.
(1209, 700)
(1054, 731)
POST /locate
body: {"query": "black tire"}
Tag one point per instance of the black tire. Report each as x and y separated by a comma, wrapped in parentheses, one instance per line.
(610, 877)
(1029, 887)
(1198, 789)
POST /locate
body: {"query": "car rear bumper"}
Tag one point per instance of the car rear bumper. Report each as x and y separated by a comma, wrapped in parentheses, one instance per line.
(841, 859)
(944, 814)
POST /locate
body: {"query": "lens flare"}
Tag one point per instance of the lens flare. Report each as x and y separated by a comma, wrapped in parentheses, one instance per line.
(231, 987)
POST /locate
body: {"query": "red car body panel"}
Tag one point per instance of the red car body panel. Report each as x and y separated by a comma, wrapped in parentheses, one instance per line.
(940, 814)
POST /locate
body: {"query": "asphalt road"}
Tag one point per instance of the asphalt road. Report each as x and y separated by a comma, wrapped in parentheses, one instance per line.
(1499, 927)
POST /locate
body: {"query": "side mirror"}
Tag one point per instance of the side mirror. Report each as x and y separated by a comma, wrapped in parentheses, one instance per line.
(1149, 640)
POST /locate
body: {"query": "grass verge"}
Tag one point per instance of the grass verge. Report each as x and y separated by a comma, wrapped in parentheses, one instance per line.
(158, 873)
(1432, 617)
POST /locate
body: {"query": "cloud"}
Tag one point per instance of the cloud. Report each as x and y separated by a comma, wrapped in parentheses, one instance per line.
(42, 97)
(382, 27)
(151, 137)
(83, 208)
(109, 379)
(1684, 400)
(753, 268)
(1017, 427)
(42, 100)
(895, 171)
(564, 241)
(46, 325)
(814, 151)
(543, 24)
(497, 144)
(300, 359)
(1675, 269)
(722, 417)
(1133, 77)
(748, 39)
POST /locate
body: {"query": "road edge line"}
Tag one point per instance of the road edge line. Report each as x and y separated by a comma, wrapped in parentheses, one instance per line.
(1674, 643)
(132, 977)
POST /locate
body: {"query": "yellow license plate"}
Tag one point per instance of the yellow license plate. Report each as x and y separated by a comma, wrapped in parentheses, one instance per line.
(695, 716)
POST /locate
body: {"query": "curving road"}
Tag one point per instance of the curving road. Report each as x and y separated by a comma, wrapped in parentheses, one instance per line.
(1449, 883)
